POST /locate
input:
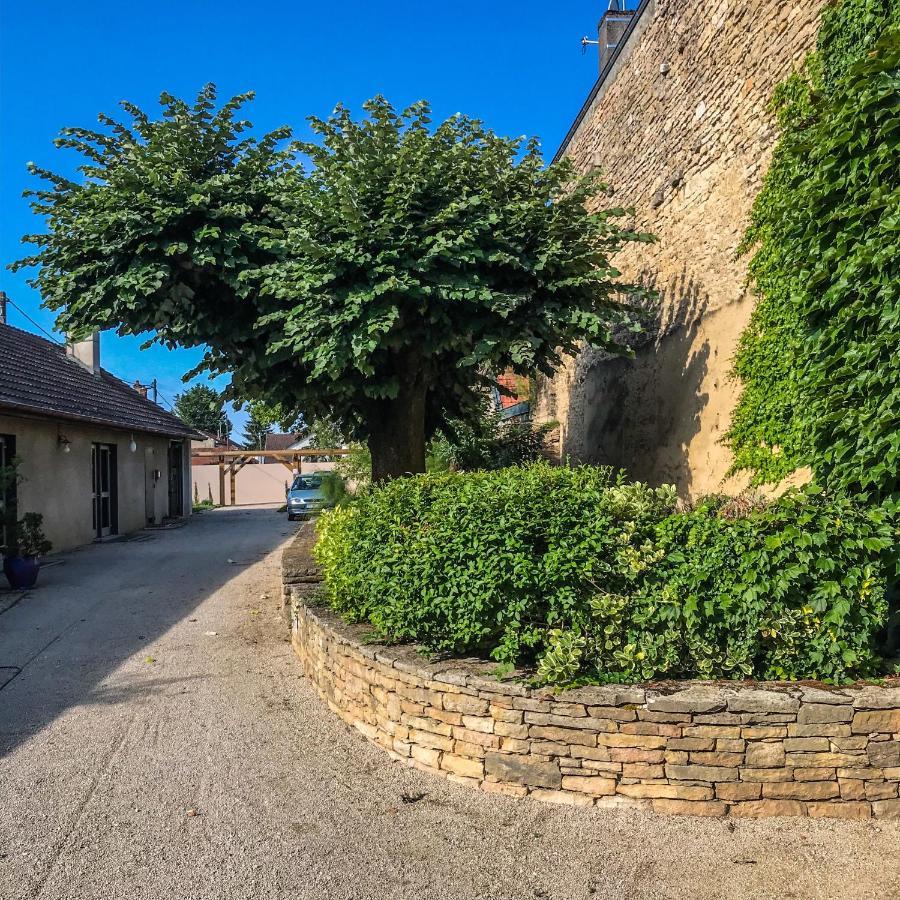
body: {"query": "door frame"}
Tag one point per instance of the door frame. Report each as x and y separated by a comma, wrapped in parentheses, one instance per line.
(112, 492)
(175, 473)
(8, 503)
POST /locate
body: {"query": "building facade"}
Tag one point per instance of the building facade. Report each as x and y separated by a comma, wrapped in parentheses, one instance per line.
(97, 458)
(680, 124)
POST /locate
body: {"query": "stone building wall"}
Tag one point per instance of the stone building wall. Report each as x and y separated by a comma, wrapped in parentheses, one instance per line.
(698, 749)
(682, 130)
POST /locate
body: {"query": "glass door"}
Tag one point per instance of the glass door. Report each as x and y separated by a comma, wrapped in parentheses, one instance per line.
(103, 489)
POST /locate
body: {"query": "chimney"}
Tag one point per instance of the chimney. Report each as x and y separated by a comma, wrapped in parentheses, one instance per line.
(612, 25)
(2, 307)
(141, 389)
(86, 352)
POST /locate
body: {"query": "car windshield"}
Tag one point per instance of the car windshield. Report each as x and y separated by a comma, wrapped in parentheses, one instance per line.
(307, 483)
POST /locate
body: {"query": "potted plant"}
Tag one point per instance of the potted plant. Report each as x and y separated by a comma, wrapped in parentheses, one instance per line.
(25, 545)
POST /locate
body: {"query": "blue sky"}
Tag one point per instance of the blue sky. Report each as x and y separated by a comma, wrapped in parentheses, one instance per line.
(517, 65)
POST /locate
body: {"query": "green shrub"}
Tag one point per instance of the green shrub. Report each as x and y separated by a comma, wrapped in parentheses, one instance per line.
(589, 576)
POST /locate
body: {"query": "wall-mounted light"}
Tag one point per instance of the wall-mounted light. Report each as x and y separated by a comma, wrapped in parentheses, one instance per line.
(132, 446)
(62, 442)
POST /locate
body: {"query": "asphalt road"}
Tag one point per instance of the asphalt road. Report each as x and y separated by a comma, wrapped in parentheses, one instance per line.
(158, 741)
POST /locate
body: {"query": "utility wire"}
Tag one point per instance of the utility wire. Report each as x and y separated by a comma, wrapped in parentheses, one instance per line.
(15, 305)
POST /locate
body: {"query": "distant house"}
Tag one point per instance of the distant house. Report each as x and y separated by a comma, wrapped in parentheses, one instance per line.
(97, 456)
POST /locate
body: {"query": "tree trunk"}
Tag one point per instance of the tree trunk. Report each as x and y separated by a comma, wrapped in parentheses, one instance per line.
(397, 427)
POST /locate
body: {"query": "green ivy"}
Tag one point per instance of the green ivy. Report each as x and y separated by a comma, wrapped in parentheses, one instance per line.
(586, 575)
(818, 362)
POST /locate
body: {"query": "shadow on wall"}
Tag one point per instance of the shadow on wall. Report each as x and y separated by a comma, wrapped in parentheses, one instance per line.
(641, 414)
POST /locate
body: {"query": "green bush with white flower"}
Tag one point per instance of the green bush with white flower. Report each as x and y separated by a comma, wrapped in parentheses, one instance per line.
(588, 577)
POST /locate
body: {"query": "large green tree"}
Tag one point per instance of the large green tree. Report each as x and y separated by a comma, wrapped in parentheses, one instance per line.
(375, 277)
(203, 407)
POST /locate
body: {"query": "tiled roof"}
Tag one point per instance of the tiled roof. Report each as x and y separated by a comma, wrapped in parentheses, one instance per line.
(38, 377)
(281, 441)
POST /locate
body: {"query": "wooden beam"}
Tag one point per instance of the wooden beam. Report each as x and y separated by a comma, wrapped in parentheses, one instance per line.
(232, 475)
(213, 454)
(221, 481)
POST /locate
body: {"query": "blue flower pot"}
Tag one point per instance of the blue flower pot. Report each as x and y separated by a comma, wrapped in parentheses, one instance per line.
(21, 571)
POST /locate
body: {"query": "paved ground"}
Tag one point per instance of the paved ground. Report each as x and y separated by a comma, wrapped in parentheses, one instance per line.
(128, 715)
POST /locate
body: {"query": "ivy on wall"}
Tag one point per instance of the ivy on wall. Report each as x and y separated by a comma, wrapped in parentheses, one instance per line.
(819, 362)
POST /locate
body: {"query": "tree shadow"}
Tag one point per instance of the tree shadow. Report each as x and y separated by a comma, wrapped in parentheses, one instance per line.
(108, 603)
(641, 413)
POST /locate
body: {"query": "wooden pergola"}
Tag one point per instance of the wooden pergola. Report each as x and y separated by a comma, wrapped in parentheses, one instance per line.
(232, 461)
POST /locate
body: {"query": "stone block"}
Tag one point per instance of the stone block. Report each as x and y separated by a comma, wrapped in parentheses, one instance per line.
(829, 731)
(886, 809)
(800, 745)
(742, 790)
(699, 699)
(514, 745)
(852, 789)
(484, 724)
(762, 701)
(884, 753)
(604, 695)
(817, 695)
(765, 775)
(648, 715)
(563, 735)
(503, 714)
(712, 731)
(716, 759)
(877, 698)
(814, 774)
(421, 723)
(881, 790)
(595, 785)
(465, 704)
(460, 765)
(666, 791)
(635, 755)
(885, 721)
(473, 751)
(701, 773)
(764, 755)
(821, 760)
(690, 807)
(853, 811)
(638, 741)
(570, 710)
(613, 713)
(823, 713)
(809, 790)
(601, 753)
(426, 755)
(550, 748)
(691, 744)
(662, 728)
(476, 737)
(432, 741)
(762, 732)
(756, 809)
(523, 770)
(508, 729)
(730, 745)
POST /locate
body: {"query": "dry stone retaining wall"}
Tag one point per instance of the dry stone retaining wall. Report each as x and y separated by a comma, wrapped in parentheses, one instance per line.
(698, 749)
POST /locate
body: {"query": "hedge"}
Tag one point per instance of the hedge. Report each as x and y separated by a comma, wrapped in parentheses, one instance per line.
(591, 577)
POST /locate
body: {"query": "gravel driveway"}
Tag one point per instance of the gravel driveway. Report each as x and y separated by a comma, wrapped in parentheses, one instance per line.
(159, 742)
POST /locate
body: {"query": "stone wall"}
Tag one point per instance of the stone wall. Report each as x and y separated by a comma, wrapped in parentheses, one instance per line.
(682, 129)
(700, 749)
